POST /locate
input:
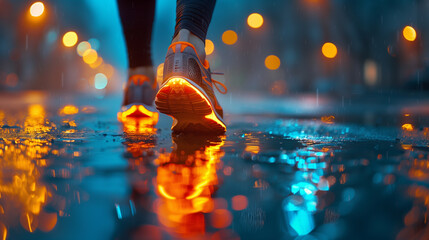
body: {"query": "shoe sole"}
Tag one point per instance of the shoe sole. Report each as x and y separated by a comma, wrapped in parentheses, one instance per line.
(189, 106)
(139, 112)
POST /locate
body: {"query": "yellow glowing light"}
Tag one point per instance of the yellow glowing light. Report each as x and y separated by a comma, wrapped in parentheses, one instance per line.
(409, 33)
(229, 37)
(209, 47)
(37, 9)
(329, 50)
(90, 56)
(407, 127)
(82, 47)
(70, 39)
(255, 20)
(68, 110)
(272, 62)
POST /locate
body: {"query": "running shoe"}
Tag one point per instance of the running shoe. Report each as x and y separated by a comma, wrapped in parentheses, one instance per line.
(186, 93)
(138, 100)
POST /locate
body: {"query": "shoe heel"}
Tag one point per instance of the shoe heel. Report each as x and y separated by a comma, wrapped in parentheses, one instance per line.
(179, 98)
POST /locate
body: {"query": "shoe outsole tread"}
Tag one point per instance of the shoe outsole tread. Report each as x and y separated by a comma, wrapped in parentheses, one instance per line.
(188, 108)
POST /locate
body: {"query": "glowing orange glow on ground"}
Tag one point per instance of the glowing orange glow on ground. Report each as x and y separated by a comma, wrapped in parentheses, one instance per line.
(229, 37)
(90, 56)
(239, 202)
(47, 221)
(409, 33)
(139, 112)
(186, 190)
(221, 218)
(68, 110)
(328, 119)
(22, 161)
(255, 20)
(70, 39)
(272, 62)
(37, 9)
(329, 50)
(181, 81)
(161, 190)
(407, 127)
(209, 48)
(252, 149)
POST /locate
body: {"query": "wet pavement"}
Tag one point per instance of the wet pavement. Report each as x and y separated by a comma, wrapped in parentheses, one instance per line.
(296, 168)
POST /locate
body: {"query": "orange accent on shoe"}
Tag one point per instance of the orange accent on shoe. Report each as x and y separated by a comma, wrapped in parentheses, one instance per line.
(139, 79)
(223, 85)
(206, 64)
(216, 82)
(209, 83)
(182, 48)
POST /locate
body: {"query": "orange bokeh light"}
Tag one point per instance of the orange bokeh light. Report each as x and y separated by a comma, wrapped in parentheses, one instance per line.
(272, 62)
(97, 63)
(239, 202)
(409, 33)
(329, 50)
(255, 20)
(221, 218)
(229, 37)
(37, 9)
(90, 56)
(70, 39)
(209, 47)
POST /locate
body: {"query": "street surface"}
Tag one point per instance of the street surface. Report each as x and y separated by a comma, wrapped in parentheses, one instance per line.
(301, 167)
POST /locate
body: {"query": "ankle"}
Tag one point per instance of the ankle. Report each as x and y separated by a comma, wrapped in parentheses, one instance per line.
(185, 35)
(146, 70)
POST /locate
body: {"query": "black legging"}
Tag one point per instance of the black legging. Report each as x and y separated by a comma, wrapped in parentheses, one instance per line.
(137, 21)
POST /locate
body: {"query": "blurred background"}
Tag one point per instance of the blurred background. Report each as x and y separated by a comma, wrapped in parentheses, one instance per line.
(266, 47)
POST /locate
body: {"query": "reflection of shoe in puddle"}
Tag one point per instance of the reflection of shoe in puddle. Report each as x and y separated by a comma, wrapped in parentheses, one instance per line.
(186, 180)
(139, 126)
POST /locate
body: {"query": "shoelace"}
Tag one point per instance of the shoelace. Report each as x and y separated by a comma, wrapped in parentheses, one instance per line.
(216, 83)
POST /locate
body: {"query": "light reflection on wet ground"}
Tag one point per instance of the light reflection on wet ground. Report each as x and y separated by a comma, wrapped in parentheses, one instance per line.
(71, 171)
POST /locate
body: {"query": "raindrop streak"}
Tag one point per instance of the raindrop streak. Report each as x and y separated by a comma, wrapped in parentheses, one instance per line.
(317, 97)
(26, 42)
